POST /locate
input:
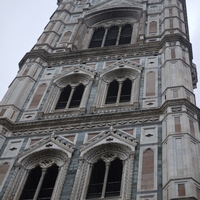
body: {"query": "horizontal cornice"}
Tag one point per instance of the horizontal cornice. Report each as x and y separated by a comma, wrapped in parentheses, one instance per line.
(92, 121)
(78, 56)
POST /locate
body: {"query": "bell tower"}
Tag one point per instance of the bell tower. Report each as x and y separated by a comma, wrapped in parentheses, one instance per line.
(103, 107)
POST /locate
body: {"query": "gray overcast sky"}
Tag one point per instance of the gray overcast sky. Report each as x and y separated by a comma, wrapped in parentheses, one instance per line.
(22, 22)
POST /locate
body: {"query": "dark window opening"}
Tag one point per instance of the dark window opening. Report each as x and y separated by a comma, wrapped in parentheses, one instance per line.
(112, 92)
(111, 179)
(111, 37)
(31, 184)
(64, 96)
(96, 180)
(126, 91)
(126, 33)
(32, 187)
(74, 101)
(77, 96)
(114, 178)
(48, 183)
(97, 38)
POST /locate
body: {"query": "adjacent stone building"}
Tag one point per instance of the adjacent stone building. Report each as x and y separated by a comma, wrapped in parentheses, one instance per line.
(103, 107)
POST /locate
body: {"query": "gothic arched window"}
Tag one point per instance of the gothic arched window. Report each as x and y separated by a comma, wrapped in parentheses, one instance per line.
(97, 38)
(119, 92)
(105, 171)
(119, 83)
(70, 97)
(70, 91)
(40, 183)
(77, 96)
(114, 35)
(105, 179)
(112, 92)
(126, 33)
(40, 174)
(64, 96)
(126, 91)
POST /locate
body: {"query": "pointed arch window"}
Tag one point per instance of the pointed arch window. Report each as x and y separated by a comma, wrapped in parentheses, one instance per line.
(126, 91)
(115, 35)
(77, 96)
(64, 96)
(97, 38)
(105, 171)
(39, 174)
(112, 92)
(40, 183)
(126, 33)
(105, 179)
(119, 92)
(70, 97)
(111, 37)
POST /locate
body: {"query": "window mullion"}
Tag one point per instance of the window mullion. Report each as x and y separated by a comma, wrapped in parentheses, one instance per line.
(44, 170)
(70, 97)
(105, 179)
(104, 37)
(119, 92)
(118, 36)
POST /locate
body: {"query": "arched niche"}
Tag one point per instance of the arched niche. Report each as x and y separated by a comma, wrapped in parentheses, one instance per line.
(121, 72)
(73, 78)
(110, 154)
(45, 160)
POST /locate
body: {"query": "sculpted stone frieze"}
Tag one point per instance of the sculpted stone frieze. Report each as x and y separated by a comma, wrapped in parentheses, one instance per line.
(51, 142)
(108, 137)
(87, 126)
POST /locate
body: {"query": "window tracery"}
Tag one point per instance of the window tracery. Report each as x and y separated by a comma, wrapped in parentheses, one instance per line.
(40, 182)
(110, 36)
(70, 97)
(105, 179)
(68, 89)
(118, 86)
(119, 92)
(39, 175)
(104, 169)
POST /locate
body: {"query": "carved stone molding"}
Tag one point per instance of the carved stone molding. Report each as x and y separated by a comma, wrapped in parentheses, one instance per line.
(109, 137)
(120, 70)
(106, 146)
(108, 24)
(89, 125)
(112, 12)
(45, 159)
(52, 142)
(74, 75)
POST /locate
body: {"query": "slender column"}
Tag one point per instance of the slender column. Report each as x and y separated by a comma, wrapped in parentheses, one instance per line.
(134, 92)
(70, 97)
(86, 92)
(123, 179)
(104, 37)
(57, 185)
(105, 93)
(44, 170)
(119, 92)
(118, 36)
(88, 38)
(105, 180)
